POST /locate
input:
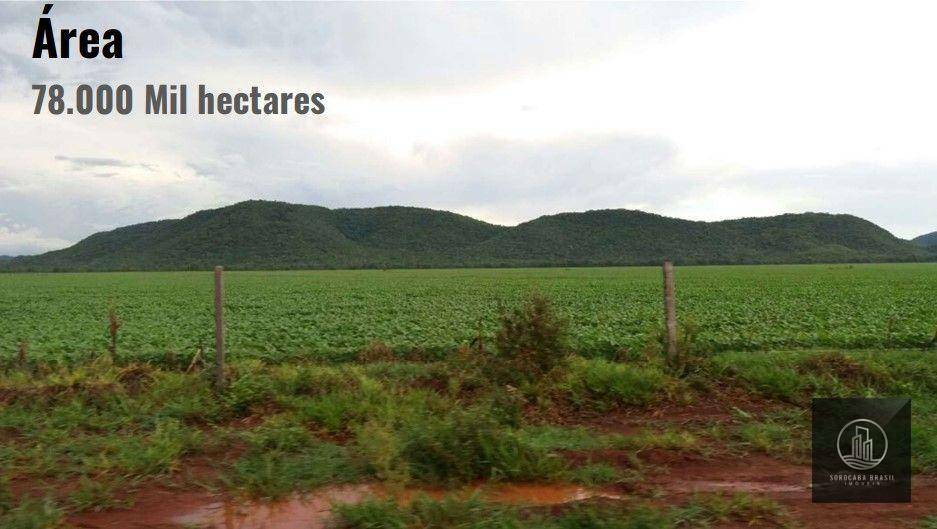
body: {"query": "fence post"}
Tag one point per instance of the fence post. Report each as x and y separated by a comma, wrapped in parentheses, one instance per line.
(219, 328)
(670, 312)
(21, 356)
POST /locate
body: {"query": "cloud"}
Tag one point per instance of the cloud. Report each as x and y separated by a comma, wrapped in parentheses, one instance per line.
(501, 111)
(90, 162)
(15, 67)
(16, 239)
(425, 46)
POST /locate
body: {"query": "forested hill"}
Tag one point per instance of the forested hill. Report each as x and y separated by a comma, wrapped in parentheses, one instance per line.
(277, 235)
(927, 241)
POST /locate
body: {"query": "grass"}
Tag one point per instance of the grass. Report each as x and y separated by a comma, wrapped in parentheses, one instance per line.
(708, 509)
(96, 495)
(551, 437)
(466, 445)
(796, 376)
(595, 474)
(425, 513)
(32, 513)
(668, 438)
(95, 423)
(276, 473)
(89, 431)
(602, 384)
(784, 434)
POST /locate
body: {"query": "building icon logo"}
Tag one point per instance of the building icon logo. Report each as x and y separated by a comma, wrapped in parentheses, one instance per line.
(862, 444)
(861, 450)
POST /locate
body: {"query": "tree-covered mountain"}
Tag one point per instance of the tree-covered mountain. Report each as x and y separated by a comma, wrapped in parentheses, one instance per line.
(277, 235)
(928, 241)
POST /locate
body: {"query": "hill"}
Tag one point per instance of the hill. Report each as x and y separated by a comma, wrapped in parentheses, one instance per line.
(927, 241)
(277, 235)
(635, 237)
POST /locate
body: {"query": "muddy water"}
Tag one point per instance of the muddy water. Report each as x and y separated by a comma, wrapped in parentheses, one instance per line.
(314, 510)
(735, 486)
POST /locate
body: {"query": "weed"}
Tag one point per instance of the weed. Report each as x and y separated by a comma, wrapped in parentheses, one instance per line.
(188, 398)
(613, 517)
(156, 453)
(248, 386)
(426, 513)
(376, 351)
(594, 474)
(469, 444)
(449, 512)
(531, 341)
(333, 411)
(924, 446)
(274, 473)
(768, 437)
(578, 438)
(771, 375)
(371, 514)
(604, 385)
(278, 433)
(32, 514)
(666, 439)
(382, 449)
(707, 509)
(94, 494)
(6, 494)
(136, 376)
(846, 370)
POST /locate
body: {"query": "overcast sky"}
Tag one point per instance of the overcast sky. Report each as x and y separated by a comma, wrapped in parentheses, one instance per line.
(504, 112)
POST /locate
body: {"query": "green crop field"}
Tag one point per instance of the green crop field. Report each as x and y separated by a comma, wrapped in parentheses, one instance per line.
(275, 315)
(90, 439)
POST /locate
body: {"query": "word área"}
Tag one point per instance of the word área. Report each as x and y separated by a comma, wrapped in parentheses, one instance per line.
(90, 42)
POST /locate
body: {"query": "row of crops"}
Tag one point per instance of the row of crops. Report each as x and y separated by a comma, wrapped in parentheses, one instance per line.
(279, 314)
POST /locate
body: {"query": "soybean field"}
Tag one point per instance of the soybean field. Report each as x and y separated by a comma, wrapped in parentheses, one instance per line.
(278, 315)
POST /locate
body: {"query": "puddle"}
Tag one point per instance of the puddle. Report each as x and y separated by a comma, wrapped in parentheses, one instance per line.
(313, 510)
(733, 486)
(532, 494)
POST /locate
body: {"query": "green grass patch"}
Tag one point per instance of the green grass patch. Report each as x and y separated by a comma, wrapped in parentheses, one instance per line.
(575, 438)
(798, 376)
(275, 473)
(472, 513)
(32, 513)
(603, 385)
(595, 474)
(667, 439)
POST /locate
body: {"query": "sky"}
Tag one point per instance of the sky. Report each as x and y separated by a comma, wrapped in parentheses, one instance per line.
(504, 112)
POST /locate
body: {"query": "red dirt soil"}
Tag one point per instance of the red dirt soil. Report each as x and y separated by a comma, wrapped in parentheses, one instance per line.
(789, 484)
(678, 477)
(165, 509)
(673, 478)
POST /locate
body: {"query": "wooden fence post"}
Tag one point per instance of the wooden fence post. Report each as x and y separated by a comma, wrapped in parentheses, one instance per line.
(219, 328)
(21, 357)
(113, 326)
(670, 312)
